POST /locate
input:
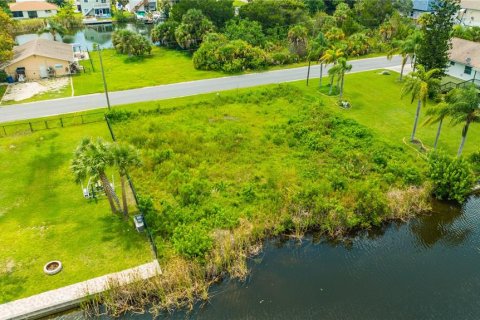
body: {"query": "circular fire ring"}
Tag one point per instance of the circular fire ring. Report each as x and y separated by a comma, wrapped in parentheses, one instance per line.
(52, 267)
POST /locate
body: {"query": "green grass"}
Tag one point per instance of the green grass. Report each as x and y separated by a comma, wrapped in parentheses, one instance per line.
(122, 72)
(2, 91)
(44, 217)
(238, 3)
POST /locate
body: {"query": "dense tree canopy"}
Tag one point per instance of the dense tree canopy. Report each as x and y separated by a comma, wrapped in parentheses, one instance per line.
(246, 30)
(164, 33)
(131, 43)
(217, 11)
(437, 31)
(6, 39)
(194, 27)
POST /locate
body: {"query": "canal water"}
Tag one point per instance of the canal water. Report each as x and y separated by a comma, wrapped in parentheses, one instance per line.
(86, 37)
(427, 268)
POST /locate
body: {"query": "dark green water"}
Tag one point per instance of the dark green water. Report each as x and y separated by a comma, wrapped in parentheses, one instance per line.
(427, 268)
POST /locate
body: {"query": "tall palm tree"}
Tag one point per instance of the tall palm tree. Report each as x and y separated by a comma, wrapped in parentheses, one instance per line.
(465, 108)
(125, 157)
(343, 66)
(438, 113)
(331, 56)
(316, 51)
(418, 84)
(91, 159)
(53, 28)
(406, 49)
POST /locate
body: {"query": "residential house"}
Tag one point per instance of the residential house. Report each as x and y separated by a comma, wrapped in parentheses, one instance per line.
(94, 8)
(469, 14)
(141, 5)
(422, 6)
(32, 9)
(464, 59)
(40, 58)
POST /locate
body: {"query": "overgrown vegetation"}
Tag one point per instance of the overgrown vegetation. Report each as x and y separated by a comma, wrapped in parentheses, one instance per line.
(130, 43)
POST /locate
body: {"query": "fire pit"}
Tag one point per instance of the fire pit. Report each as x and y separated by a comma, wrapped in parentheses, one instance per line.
(52, 267)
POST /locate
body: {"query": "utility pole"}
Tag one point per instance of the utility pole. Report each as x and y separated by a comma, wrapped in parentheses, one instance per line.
(103, 76)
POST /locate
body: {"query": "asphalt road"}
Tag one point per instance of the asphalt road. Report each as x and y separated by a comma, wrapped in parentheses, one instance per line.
(94, 101)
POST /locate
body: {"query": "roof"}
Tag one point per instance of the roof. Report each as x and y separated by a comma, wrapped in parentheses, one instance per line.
(462, 50)
(470, 4)
(32, 6)
(44, 48)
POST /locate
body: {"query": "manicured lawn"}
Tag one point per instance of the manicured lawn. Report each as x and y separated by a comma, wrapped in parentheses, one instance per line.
(376, 103)
(121, 72)
(43, 217)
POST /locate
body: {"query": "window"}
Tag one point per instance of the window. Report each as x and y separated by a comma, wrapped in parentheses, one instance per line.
(17, 14)
(32, 14)
(468, 70)
(58, 66)
(48, 11)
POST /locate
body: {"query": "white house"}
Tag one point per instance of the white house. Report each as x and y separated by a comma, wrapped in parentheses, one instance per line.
(469, 14)
(141, 5)
(94, 8)
(464, 59)
(32, 9)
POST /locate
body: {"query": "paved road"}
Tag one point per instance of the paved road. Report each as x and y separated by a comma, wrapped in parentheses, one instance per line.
(95, 101)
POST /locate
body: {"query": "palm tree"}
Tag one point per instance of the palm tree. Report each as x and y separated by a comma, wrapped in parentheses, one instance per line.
(316, 51)
(406, 49)
(91, 159)
(331, 56)
(418, 84)
(343, 66)
(438, 113)
(465, 108)
(53, 28)
(125, 157)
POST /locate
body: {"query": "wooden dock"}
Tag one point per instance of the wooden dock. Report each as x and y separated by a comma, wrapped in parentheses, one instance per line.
(71, 296)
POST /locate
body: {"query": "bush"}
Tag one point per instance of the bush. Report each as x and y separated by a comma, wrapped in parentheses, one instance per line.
(452, 178)
(3, 76)
(217, 53)
(123, 16)
(191, 240)
(164, 34)
(131, 43)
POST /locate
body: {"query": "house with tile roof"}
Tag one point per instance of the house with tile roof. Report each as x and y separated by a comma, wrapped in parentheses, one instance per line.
(32, 9)
(40, 58)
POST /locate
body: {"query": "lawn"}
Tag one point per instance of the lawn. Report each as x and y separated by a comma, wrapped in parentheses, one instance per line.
(122, 72)
(44, 217)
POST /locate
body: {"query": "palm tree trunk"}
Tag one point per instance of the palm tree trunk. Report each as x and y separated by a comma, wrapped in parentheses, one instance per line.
(341, 86)
(417, 115)
(464, 138)
(438, 134)
(403, 67)
(111, 196)
(321, 75)
(124, 196)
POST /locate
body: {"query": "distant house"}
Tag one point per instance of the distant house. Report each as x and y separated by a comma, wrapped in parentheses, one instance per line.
(141, 5)
(32, 9)
(39, 59)
(422, 6)
(94, 8)
(469, 14)
(464, 59)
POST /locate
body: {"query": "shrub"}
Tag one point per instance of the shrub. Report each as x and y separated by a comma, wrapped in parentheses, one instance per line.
(123, 16)
(131, 43)
(217, 53)
(164, 34)
(452, 178)
(191, 240)
(246, 30)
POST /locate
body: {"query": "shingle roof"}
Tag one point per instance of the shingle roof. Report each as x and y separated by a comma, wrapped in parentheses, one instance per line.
(465, 52)
(44, 48)
(32, 6)
(470, 4)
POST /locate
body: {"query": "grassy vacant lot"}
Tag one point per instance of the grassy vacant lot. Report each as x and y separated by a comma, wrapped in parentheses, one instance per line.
(122, 72)
(44, 217)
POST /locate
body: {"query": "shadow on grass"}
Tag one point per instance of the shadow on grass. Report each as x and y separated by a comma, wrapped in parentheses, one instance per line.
(120, 231)
(12, 287)
(137, 59)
